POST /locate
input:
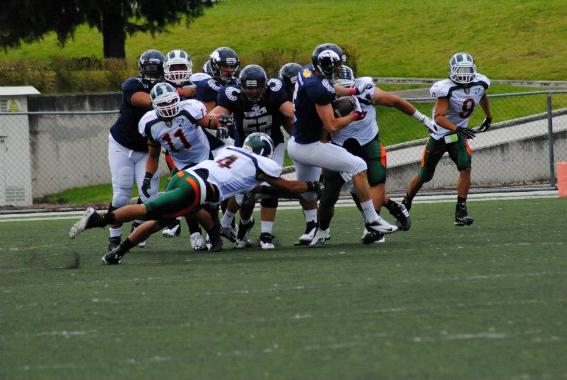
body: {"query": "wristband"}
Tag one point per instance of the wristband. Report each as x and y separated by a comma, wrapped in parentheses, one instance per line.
(352, 91)
(179, 92)
(149, 175)
(418, 115)
(209, 123)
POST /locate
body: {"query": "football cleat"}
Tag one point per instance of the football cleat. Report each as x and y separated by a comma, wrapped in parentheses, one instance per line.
(112, 257)
(373, 237)
(307, 237)
(380, 225)
(319, 239)
(172, 230)
(242, 235)
(228, 233)
(402, 215)
(407, 203)
(113, 243)
(197, 242)
(267, 240)
(462, 217)
(89, 219)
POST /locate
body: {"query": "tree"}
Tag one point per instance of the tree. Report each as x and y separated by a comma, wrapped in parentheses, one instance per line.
(29, 20)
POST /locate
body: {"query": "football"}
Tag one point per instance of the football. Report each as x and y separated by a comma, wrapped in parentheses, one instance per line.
(343, 106)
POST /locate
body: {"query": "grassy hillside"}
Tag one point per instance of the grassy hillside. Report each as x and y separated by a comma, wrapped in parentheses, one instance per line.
(509, 38)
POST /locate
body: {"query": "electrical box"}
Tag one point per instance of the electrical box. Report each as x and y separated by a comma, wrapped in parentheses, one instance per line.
(15, 157)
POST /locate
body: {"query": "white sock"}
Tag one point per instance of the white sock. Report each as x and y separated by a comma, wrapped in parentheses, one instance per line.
(115, 232)
(227, 219)
(245, 221)
(267, 226)
(310, 215)
(370, 214)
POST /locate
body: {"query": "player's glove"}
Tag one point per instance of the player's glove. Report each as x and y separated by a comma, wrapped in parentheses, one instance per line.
(466, 133)
(315, 187)
(485, 124)
(222, 133)
(226, 120)
(147, 184)
(360, 88)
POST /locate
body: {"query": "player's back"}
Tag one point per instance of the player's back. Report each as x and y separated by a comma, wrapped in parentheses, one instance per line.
(125, 129)
(309, 91)
(234, 170)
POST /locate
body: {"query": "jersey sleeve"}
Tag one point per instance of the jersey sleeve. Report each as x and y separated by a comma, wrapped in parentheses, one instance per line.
(483, 80)
(279, 95)
(130, 87)
(207, 90)
(228, 97)
(322, 92)
(145, 126)
(195, 108)
(269, 167)
(439, 90)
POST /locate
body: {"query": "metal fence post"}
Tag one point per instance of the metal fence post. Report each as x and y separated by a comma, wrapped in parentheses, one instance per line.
(550, 140)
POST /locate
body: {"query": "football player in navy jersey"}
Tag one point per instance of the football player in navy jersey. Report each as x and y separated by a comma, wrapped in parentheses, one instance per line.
(456, 99)
(314, 116)
(127, 149)
(258, 104)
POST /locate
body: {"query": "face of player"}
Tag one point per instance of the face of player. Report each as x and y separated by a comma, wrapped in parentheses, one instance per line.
(228, 71)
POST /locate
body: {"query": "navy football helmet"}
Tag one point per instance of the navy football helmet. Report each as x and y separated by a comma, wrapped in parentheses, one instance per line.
(346, 77)
(288, 75)
(253, 79)
(150, 64)
(224, 64)
(328, 58)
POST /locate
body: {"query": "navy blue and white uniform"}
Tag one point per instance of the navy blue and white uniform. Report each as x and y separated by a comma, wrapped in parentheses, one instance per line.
(127, 148)
(306, 150)
(260, 116)
(207, 91)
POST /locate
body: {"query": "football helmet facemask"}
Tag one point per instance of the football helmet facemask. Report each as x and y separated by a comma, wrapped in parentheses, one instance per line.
(224, 64)
(346, 77)
(150, 64)
(259, 143)
(165, 100)
(327, 59)
(253, 81)
(462, 68)
(177, 67)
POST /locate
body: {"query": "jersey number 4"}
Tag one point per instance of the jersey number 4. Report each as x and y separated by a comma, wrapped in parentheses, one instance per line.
(179, 134)
(226, 162)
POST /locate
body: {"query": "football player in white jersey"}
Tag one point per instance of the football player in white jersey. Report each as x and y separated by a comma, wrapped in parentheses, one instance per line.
(457, 98)
(176, 126)
(234, 171)
(361, 138)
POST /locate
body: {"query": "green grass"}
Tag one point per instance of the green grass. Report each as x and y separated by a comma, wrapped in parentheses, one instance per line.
(413, 38)
(441, 302)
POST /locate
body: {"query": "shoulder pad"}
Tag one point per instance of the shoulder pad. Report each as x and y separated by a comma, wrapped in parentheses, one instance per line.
(328, 86)
(214, 84)
(482, 78)
(275, 84)
(441, 89)
(195, 108)
(231, 93)
(197, 77)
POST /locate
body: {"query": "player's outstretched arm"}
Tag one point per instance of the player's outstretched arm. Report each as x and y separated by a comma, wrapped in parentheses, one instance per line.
(390, 100)
(290, 186)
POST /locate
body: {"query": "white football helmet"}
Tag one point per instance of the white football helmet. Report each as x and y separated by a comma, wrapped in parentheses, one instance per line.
(462, 68)
(165, 100)
(177, 67)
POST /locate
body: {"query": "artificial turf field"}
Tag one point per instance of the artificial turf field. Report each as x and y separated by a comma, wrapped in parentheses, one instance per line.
(488, 301)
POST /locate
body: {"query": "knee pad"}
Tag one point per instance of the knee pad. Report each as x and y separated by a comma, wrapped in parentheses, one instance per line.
(270, 202)
(309, 196)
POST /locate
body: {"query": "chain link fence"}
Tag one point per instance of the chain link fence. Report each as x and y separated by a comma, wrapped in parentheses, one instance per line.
(68, 150)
